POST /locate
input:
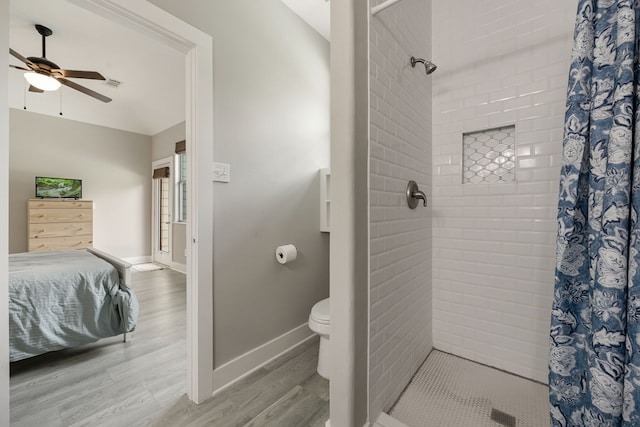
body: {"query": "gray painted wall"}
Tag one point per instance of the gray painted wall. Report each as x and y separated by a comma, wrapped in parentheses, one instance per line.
(163, 145)
(114, 166)
(271, 101)
(179, 243)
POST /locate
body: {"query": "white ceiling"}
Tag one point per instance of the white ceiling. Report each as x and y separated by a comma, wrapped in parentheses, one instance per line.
(151, 97)
(316, 13)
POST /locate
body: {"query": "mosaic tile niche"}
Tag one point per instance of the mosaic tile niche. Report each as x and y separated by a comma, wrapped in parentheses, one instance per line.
(489, 156)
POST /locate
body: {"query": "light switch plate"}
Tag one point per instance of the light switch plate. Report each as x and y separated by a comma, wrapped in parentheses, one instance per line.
(221, 172)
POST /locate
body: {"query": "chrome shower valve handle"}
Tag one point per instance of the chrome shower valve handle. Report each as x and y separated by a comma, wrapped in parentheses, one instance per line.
(414, 194)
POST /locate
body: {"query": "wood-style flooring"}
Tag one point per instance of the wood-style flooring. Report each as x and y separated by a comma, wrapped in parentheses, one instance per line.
(142, 382)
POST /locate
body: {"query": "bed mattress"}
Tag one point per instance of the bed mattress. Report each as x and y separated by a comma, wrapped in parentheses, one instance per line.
(63, 299)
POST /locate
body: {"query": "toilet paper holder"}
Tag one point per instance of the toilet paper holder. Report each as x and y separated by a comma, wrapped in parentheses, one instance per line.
(414, 194)
(286, 253)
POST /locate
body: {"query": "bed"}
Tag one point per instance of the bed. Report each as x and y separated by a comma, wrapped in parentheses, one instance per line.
(63, 299)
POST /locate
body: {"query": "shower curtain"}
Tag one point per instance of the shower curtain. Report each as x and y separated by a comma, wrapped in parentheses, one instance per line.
(594, 363)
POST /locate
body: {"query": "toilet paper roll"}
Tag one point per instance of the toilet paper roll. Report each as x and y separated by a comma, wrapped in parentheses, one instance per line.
(286, 253)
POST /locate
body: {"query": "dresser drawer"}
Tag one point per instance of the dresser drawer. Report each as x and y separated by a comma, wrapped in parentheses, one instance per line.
(60, 204)
(60, 243)
(53, 229)
(37, 216)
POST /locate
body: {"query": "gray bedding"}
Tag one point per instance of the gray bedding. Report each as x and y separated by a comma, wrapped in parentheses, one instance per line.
(64, 299)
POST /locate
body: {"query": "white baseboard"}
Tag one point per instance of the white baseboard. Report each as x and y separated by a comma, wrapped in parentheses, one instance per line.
(367, 424)
(385, 420)
(181, 268)
(243, 365)
(138, 259)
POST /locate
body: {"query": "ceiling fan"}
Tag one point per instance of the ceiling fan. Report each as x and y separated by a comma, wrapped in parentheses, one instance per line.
(44, 75)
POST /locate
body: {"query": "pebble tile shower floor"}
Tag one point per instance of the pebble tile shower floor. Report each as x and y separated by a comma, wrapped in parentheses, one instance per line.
(448, 391)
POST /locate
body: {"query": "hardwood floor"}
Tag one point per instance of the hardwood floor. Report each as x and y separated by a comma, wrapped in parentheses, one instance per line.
(142, 382)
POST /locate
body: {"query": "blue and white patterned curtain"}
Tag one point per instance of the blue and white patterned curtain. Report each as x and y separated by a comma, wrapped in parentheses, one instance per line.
(594, 364)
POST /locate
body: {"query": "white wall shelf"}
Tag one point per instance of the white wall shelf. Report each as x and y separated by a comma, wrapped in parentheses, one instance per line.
(325, 200)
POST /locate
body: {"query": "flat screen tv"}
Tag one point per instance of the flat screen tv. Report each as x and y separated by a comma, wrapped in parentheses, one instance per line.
(58, 188)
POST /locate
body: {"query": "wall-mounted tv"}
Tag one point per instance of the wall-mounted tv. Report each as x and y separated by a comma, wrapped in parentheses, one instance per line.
(58, 188)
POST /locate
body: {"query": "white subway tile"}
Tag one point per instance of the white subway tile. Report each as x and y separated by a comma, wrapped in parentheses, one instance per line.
(400, 247)
(510, 270)
(492, 245)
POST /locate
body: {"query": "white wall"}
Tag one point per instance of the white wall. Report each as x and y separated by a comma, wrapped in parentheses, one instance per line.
(349, 213)
(4, 221)
(500, 63)
(114, 166)
(271, 94)
(400, 239)
(163, 145)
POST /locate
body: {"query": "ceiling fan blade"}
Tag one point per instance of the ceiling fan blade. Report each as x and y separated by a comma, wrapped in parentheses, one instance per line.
(85, 90)
(19, 68)
(35, 89)
(76, 74)
(23, 59)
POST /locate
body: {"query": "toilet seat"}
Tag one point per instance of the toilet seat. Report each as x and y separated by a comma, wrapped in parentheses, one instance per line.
(320, 312)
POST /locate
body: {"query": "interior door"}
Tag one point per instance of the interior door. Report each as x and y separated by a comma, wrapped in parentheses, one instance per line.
(162, 211)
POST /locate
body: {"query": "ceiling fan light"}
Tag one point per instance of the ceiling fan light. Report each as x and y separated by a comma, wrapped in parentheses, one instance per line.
(42, 81)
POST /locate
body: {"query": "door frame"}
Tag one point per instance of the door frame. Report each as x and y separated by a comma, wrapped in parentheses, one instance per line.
(4, 218)
(142, 16)
(156, 255)
(197, 47)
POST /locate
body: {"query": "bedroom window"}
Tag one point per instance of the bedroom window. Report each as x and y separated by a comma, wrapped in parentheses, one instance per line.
(181, 182)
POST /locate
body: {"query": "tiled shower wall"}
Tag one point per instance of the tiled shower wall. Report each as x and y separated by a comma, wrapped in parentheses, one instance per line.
(501, 63)
(400, 238)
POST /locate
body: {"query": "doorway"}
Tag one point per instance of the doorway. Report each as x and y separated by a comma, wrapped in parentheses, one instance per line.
(197, 47)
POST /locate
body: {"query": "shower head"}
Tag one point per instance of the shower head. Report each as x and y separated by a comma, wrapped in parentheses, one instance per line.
(429, 67)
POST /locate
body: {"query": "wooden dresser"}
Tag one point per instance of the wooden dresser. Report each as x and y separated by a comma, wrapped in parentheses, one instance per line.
(56, 225)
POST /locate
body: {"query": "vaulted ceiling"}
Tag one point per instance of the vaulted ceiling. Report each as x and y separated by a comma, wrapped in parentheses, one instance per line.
(151, 96)
(316, 13)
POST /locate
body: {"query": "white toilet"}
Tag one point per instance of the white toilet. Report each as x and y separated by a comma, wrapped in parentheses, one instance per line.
(319, 323)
